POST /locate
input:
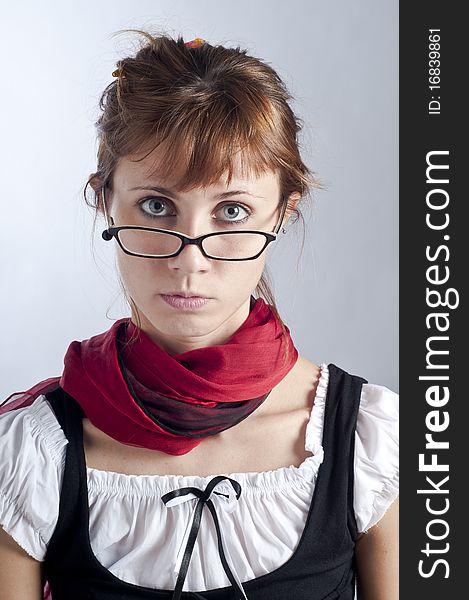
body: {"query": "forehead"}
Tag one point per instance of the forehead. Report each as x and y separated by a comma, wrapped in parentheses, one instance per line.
(138, 170)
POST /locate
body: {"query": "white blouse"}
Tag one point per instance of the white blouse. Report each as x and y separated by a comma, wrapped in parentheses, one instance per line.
(140, 539)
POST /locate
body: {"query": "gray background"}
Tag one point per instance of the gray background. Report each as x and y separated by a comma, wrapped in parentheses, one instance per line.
(340, 61)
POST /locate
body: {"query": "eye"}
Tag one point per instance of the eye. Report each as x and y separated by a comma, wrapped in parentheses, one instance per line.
(234, 213)
(156, 205)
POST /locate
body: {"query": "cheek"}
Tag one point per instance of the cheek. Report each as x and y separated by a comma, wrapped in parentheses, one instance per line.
(136, 273)
(244, 275)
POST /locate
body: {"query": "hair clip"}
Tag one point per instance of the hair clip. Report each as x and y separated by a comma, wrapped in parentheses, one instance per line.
(117, 72)
(191, 44)
(195, 42)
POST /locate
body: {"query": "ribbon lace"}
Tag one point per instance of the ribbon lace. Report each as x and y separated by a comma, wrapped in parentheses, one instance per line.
(185, 494)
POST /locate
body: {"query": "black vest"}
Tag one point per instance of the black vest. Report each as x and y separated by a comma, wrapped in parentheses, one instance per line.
(322, 566)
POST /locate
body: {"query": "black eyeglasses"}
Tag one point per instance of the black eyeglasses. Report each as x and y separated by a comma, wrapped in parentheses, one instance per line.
(151, 242)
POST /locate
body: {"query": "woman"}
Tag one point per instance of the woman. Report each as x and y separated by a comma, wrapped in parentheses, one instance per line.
(190, 451)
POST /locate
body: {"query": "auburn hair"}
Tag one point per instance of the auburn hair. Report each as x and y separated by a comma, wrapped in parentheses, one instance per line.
(216, 109)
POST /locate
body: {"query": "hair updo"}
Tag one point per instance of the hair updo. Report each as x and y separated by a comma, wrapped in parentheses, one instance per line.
(214, 107)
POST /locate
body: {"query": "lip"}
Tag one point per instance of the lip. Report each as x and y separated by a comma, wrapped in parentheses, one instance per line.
(185, 303)
(185, 294)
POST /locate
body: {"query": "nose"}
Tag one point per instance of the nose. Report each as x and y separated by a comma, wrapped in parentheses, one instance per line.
(190, 260)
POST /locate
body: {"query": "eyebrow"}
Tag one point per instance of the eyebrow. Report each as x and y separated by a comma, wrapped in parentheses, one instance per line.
(220, 196)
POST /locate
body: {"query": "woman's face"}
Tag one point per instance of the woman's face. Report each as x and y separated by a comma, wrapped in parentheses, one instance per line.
(246, 204)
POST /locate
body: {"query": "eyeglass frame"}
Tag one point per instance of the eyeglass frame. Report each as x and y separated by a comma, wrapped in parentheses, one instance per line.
(112, 231)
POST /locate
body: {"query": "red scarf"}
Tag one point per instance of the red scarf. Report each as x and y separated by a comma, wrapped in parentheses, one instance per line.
(142, 396)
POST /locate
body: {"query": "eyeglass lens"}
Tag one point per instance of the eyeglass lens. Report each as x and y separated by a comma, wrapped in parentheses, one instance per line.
(154, 243)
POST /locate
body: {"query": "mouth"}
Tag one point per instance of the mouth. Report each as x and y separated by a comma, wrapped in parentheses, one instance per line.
(185, 295)
(185, 302)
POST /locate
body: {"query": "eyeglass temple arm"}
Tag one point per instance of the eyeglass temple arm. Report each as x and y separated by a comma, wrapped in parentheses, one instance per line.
(279, 224)
(109, 220)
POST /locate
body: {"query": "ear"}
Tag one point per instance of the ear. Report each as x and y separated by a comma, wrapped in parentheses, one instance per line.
(292, 203)
(97, 185)
(95, 182)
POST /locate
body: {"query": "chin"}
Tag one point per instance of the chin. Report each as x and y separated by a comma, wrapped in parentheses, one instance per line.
(183, 324)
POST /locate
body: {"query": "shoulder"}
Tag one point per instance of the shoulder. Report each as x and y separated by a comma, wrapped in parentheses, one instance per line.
(380, 401)
(376, 481)
(376, 447)
(32, 427)
(31, 468)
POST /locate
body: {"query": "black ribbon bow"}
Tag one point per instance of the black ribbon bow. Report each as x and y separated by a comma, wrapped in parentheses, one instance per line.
(204, 499)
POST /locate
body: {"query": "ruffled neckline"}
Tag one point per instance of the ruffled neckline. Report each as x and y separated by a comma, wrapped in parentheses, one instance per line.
(272, 480)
